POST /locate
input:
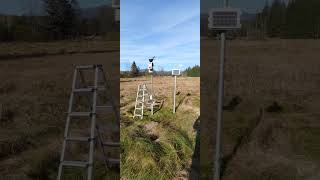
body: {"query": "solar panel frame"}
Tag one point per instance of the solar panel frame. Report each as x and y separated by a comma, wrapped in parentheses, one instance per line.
(224, 18)
(176, 72)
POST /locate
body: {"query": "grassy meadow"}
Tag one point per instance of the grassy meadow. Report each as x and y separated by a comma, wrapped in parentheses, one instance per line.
(271, 125)
(160, 146)
(34, 95)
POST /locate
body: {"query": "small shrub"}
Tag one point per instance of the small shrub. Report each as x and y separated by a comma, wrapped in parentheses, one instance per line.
(235, 101)
(275, 108)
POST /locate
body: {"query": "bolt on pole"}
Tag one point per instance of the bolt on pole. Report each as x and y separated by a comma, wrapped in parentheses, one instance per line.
(217, 169)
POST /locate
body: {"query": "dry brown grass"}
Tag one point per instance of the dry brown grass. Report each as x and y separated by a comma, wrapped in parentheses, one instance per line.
(163, 87)
(20, 49)
(36, 91)
(263, 72)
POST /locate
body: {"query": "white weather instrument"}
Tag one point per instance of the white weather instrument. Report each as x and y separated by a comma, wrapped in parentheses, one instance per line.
(150, 65)
(224, 19)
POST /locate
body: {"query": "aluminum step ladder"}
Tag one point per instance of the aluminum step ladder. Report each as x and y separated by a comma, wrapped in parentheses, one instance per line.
(142, 101)
(90, 92)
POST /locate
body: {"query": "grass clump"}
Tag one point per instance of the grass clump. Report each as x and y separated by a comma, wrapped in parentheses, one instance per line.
(143, 158)
(44, 165)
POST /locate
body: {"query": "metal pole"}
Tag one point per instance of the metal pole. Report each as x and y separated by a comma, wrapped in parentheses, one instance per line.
(217, 169)
(151, 86)
(174, 94)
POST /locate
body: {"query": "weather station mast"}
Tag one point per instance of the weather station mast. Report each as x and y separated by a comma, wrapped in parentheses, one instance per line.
(150, 71)
(222, 20)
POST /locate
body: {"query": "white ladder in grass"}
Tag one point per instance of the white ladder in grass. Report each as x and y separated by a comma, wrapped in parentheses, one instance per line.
(142, 99)
(91, 92)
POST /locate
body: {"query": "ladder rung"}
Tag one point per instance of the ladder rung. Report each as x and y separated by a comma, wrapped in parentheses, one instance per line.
(104, 108)
(88, 66)
(100, 88)
(81, 114)
(112, 161)
(111, 144)
(75, 163)
(81, 139)
(139, 108)
(84, 90)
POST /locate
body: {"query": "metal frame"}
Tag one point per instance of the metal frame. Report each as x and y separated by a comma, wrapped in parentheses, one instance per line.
(176, 74)
(94, 127)
(141, 101)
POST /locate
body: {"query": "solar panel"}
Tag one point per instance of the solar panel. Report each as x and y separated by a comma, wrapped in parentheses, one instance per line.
(175, 72)
(224, 18)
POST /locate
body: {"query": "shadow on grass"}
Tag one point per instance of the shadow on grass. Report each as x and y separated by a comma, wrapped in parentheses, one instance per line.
(160, 107)
(195, 166)
(241, 141)
(181, 101)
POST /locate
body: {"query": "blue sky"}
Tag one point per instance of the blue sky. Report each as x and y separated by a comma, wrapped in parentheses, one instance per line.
(167, 29)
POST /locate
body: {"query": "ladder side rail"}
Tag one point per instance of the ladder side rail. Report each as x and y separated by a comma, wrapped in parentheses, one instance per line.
(108, 88)
(93, 126)
(66, 131)
(137, 101)
(143, 94)
(102, 147)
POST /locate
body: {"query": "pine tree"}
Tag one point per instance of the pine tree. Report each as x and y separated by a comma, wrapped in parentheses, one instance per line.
(134, 70)
(61, 17)
(276, 18)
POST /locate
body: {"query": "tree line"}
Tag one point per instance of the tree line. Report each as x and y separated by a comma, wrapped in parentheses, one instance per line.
(295, 19)
(62, 19)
